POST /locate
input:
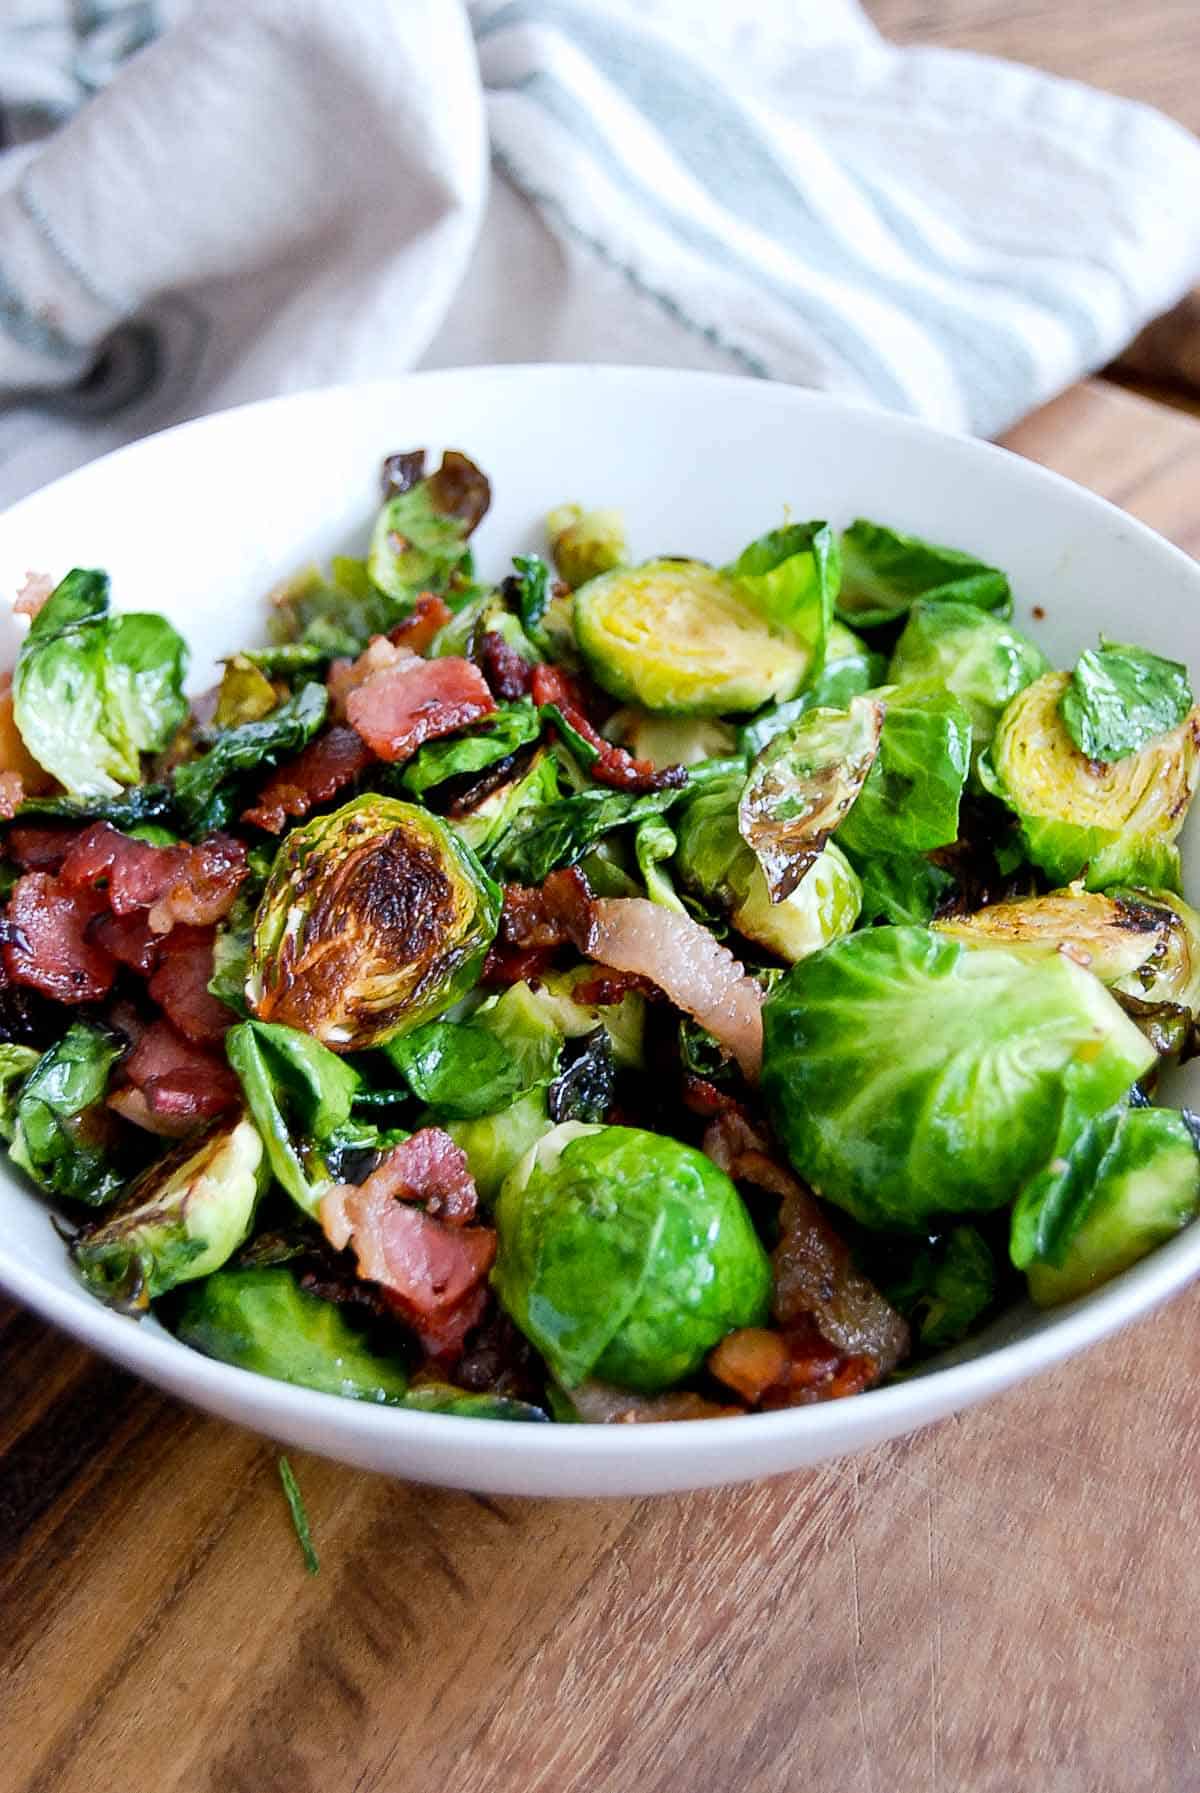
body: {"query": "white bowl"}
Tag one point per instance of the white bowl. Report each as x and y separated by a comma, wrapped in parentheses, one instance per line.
(199, 522)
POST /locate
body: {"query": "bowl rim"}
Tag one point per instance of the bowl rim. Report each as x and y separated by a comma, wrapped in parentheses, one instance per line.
(937, 1389)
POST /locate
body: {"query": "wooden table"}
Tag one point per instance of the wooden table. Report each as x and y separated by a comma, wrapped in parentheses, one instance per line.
(1005, 1601)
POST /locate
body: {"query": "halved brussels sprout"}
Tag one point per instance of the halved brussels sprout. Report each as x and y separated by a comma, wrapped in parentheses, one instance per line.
(1112, 824)
(626, 1255)
(671, 740)
(181, 1219)
(584, 544)
(1127, 1183)
(374, 919)
(983, 661)
(716, 865)
(802, 786)
(496, 1142)
(679, 637)
(484, 826)
(909, 1078)
(261, 1320)
(1112, 937)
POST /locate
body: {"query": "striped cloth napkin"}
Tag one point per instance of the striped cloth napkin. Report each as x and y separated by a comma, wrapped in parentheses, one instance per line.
(207, 201)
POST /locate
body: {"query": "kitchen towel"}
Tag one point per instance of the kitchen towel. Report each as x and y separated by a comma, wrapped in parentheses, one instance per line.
(209, 201)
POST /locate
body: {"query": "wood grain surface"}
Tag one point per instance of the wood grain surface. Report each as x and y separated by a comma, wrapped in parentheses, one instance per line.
(1005, 1601)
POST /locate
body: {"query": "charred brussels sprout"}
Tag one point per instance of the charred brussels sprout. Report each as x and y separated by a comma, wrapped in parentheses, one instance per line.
(261, 1320)
(1124, 1184)
(681, 638)
(1110, 823)
(419, 542)
(584, 544)
(181, 1219)
(374, 919)
(802, 785)
(909, 1078)
(983, 661)
(625, 1255)
(1110, 936)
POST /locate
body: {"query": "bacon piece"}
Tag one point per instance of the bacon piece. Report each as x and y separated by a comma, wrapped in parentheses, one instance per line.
(181, 1082)
(37, 588)
(40, 847)
(612, 987)
(12, 795)
(430, 613)
(508, 672)
(426, 1167)
(345, 676)
(194, 885)
(700, 976)
(132, 1105)
(443, 1335)
(180, 986)
(318, 772)
(48, 946)
(534, 923)
(418, 700)
(749, 1361)
(507, 965)
(600, 1404)
(614, 765)
(815, 1275)
(129, 938)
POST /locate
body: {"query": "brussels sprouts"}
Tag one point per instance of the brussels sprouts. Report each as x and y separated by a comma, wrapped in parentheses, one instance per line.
(63, 1130)
(909, 1078)
(850, 668)
(624, 1021)
(464, 1069)
(1121, 697)
(374, 919)
(486, 826)
(560, 832)
(496, 1142)
(715, 864)
(943, 1288)
(1172, 974)
(419, 542)
(92, 692)
(511, 726)
(203, 788)
(885, 572)
(1111, 824)
(326, 617)
(681, 638)
(261, 1320)
(16, 1062)
(299, 1093)
(801, 787)
(910, 801)
(245, 693)
(626, 1255)
(671, 740)
(1126, 1183)
(181, 1219)
(1113, 937)
(901, 887)
(585, 543)
(984, 662)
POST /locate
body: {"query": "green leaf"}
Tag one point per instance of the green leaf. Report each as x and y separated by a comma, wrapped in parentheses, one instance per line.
(55, 1138)
(884, 572)
(532, 595)
(943, 1289)
(791, 576)
(202, 786)
(654, 844)
(299, 1094)
(512, 726)
(984, 662)
(135, 808)
(465, 1069)
(1120, 697)
(909, 803)
(901, 888)
(850, 668)
(419, 542)
(16, 1062)
(92, 693)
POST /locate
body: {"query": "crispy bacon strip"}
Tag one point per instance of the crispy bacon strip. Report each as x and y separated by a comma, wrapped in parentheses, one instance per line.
(417, 700)
(180, 986)
(534, 923)
(180, 1083)
(194, 885)
(430, 613)
(49, 947)
(129, 938)
(508, 672)
(318, 772)
(614, 765)
(345, 676)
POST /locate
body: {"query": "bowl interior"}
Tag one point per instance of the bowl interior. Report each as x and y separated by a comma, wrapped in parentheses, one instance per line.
(202, 521)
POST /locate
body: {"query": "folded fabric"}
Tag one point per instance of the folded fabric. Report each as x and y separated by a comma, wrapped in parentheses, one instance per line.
(273, 194)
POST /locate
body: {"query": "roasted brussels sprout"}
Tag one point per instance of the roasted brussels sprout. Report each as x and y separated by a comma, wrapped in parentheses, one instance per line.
(558, 994)
(245, 693)
(1126, 1183)
(942, 1286)
(884, 572)
(983, 661)
(374, 919)
(494, 1143)
(671, 740)
(716, 865)
(626, 1255)
(802, 786)
(1113, 937)
(1110, 824)
(1121, 697)
(261, 1320)
(299, 1093)
(909, 1078)
(585, 543)
(181, 1219)
(419, 542)
(681, 638)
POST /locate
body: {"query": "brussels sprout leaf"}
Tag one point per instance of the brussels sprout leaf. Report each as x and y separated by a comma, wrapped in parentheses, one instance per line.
(470, 1068)
(513, 725)
(983, 661)
(1120, 697)
(802, 786)
(60, 1136)
(16, 1062)
(141, 804)
(584, 1089)
(909, 803)
(884, 572)
(93, 692)
(943, 1288)
(901, 887)
(420, 537)
(654, 843)
(202, 786)
(791, 576)
(299, 1093)
(850, 669)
